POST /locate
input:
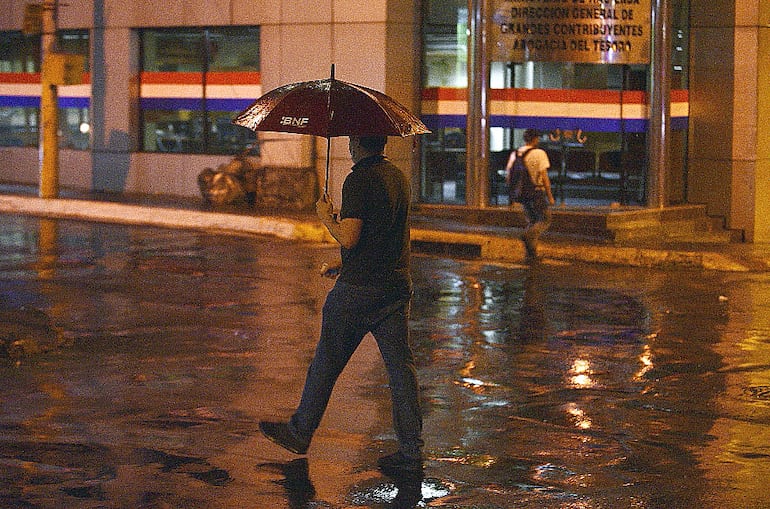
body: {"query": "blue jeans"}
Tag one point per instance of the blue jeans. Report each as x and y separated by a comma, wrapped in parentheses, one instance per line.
(349, 313)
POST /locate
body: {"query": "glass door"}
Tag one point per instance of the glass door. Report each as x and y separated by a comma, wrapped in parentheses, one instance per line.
(592, 123)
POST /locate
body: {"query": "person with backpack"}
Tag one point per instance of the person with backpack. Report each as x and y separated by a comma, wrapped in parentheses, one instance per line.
(527, 177)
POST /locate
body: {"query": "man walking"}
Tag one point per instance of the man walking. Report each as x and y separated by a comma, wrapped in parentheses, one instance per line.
(534, 193)
(372, 294)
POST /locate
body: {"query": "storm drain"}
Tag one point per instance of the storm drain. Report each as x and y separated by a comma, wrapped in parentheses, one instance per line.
(760, 392)
(451, 249)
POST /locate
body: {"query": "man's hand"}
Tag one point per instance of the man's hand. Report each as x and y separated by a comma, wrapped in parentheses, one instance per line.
(346, 231)
(330, 271)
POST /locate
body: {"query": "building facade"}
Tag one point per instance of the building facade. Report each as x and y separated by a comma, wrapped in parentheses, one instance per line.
(643, 103)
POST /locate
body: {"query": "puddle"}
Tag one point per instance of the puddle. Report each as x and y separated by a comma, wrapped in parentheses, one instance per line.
(400, 494)
(197, 468)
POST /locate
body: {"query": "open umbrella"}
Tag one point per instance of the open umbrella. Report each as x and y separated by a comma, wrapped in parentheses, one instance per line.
(329, 108)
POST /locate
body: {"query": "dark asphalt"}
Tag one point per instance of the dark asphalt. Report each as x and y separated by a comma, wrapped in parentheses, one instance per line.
(138, 361)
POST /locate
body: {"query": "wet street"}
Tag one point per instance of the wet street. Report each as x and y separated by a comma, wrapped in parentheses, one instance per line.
(136, 363)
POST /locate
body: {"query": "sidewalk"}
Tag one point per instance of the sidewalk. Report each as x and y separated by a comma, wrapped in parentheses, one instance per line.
(428, 234)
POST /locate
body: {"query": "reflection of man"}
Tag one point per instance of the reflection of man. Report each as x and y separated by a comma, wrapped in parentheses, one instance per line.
(372, 294)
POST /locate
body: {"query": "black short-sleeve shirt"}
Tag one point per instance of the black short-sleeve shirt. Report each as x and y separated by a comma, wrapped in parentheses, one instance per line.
(378, 193)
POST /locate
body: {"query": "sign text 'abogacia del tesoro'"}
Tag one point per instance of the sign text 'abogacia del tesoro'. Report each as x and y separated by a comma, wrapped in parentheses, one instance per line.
(599, 31)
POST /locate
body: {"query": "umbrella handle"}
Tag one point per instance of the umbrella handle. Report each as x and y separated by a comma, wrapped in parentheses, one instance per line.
(328, 150)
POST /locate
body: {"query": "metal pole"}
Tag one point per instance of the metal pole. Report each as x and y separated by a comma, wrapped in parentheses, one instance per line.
(660, 103)
(49, 108)
(205, 120)
(328, 138)
(477, 127)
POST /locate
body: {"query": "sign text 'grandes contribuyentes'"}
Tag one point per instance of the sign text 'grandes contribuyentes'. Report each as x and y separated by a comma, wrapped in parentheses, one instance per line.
(589, 31)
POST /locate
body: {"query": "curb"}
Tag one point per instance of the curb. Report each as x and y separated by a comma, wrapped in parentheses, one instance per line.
(489, 247)
(511, 250)
(163, 217)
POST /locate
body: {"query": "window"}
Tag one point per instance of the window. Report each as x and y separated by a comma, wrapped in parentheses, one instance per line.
(445, 82)
(20, 91)
(19, 53)
(74, 123)
(194, 81)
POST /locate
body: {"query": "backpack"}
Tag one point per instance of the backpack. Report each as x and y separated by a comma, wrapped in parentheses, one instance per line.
(520, 186)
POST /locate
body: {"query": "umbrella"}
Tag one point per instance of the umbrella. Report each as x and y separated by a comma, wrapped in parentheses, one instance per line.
(329, 108)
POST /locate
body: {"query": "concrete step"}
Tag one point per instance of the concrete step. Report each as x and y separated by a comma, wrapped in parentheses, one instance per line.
(608, 224)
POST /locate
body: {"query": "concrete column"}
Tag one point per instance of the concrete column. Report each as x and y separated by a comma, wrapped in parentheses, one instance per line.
(762, 179)
(477, 158)
(114, 96)
(403, 56)
(749, 184)
(660, 103)
(729, 152)
(712, 93)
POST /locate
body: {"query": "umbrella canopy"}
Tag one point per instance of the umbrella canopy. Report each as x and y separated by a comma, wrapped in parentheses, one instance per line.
(328, 108)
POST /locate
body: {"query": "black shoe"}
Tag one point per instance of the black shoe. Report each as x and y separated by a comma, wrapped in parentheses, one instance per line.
(282, 434)
(398, 464)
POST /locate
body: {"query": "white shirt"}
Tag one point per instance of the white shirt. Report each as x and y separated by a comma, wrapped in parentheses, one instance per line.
(537, 163)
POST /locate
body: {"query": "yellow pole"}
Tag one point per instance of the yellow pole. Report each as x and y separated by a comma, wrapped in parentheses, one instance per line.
(46, 248)
(49, 108)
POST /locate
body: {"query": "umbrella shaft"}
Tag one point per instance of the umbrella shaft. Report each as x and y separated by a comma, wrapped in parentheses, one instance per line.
(328, 151)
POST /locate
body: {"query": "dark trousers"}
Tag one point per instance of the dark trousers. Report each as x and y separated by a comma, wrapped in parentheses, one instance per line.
(349, 313)
(538, 215)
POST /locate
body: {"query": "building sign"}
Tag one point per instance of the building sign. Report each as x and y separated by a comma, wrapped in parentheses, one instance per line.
(590, 31)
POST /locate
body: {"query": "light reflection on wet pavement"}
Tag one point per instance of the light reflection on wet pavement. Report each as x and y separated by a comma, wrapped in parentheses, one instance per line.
(136, 363)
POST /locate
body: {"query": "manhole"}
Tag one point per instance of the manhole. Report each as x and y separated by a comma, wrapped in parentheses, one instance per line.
(760, 392)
